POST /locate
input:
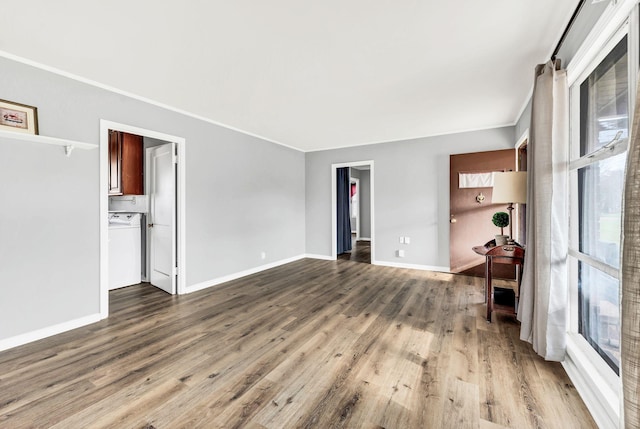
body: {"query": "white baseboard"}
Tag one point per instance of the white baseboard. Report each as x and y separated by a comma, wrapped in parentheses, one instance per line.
(389, 264)
(323, 257)
(411, 266)
(19, 340)
(234, 276)
(364, 239)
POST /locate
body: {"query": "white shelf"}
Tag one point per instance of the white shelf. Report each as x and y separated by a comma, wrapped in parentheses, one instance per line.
(68, 145)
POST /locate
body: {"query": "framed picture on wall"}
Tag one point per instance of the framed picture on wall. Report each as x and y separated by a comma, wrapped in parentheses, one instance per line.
(18, 117)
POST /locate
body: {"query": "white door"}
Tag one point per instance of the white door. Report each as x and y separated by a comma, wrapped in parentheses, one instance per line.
(161, 186)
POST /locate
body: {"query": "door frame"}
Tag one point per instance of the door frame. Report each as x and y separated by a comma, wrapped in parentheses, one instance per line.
(181, 143)
(334, 206)
(522, 141)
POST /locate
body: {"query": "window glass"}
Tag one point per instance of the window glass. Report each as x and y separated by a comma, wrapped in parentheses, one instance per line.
(604, 101)
(600, 206)
(599, 312)
(604, 115)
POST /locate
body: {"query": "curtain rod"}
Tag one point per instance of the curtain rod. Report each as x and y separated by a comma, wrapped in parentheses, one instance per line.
(567, 29)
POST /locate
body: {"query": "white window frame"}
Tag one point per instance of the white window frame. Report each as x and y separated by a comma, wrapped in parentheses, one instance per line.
(577, 162)
(596, 382)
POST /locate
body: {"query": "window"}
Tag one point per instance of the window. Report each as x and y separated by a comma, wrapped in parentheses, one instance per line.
(597, 168)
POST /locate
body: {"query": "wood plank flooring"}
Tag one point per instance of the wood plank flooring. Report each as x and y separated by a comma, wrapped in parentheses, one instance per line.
(309, 344)
(360, 252)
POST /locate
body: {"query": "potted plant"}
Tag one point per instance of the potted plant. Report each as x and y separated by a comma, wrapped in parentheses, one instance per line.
(501, 220)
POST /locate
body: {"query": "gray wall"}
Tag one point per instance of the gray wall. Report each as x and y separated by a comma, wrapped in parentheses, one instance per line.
(583, 24)
(411, 193)
(365, 204)
(524, 121)
(243, 196)
(48, 236)
(148, 142)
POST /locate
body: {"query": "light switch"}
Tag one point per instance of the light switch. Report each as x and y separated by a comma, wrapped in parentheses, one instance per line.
(401, 240)
(407, 240)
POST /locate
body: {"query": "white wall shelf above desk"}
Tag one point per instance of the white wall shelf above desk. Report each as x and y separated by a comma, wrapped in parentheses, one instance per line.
(68, 145)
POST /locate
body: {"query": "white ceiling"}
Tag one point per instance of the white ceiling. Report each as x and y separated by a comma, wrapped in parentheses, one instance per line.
(311, 75)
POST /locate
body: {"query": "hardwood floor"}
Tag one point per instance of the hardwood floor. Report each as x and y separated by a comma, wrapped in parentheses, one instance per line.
(361, 252)
(309, 344)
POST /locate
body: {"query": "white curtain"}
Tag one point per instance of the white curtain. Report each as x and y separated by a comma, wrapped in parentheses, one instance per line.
(630, 290)
(543, 294)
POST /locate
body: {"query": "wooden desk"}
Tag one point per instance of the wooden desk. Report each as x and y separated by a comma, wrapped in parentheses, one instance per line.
(512, 254)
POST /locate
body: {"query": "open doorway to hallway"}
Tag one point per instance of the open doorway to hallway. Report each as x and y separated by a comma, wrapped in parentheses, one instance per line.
(360, 215)
(352, 195)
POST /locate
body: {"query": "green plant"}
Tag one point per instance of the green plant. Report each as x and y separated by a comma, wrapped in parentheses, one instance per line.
(501, 220)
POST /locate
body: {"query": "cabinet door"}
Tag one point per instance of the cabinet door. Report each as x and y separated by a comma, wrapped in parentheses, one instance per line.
(132, 162)
(115, 155)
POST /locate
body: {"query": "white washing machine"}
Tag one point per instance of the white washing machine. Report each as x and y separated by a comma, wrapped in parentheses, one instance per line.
(125, 245)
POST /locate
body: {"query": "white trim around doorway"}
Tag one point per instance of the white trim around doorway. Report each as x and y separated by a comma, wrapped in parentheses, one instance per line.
(334, 204)
(105, 126)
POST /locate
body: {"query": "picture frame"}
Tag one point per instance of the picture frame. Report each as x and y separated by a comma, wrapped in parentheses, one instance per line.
(16, 117)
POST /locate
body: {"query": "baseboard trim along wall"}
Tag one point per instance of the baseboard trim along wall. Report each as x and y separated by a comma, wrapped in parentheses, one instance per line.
(39, 334)
(323, 257)
(390, 264)
(214, 282)
(412, 266)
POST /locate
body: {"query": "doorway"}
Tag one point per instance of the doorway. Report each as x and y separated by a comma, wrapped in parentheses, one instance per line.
(471, 209)
(177, 242)
(361, 174)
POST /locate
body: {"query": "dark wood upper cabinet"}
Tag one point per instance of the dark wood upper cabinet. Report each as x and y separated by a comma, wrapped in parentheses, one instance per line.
(125, 164)
(132, 159)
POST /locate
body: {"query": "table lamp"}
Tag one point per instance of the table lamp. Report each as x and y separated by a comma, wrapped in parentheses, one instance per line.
(509, 187)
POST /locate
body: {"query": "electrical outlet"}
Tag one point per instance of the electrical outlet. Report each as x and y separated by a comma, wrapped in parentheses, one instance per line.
(407, 240)
(401, 240)
(263, 255)
(400, 253)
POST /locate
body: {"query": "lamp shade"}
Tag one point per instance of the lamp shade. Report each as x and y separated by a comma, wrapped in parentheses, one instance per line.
(509, 187)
